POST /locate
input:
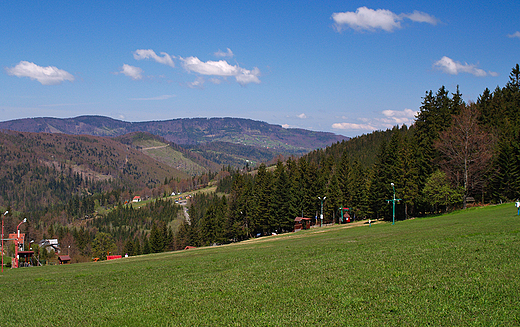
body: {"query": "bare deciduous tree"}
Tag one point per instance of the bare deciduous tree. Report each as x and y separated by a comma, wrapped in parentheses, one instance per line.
(466, 149)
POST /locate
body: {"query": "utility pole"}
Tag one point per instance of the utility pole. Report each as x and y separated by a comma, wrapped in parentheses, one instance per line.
(5, 214)
(393, 204)
(321, 215)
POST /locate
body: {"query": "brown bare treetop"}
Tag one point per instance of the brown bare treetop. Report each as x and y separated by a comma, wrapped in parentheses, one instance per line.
(467, 150)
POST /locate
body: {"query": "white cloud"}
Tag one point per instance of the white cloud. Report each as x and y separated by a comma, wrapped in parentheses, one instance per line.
(166, 59)
(367, 19)
(218, 68)
(449, 66)
(197, 84)
(215, 80)
(421, 17)
(49, 75)
(515, 34)
(302, 116)
(390, 119)
(370, 20)
(248, 76)
(286, 126)
(353, 126)
(161, 97)
(228, 53)
(221, 68)
(406, 116)
(134, 73)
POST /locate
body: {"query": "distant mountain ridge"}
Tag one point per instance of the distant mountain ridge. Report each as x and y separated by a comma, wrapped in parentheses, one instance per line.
(186, 131)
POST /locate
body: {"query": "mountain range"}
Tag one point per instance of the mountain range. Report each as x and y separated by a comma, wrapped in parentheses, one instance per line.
(64, 156)
(186, 131)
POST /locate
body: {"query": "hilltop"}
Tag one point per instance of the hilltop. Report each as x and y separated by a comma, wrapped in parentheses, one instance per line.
(186, 131)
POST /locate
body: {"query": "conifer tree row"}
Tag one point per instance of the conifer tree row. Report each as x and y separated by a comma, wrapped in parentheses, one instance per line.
(426, 162)
(422, 161)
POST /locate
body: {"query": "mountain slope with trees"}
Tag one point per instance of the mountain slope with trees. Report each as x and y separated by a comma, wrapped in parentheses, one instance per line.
(42, 169)
(186, 131)
(455, 153)
(212, 141)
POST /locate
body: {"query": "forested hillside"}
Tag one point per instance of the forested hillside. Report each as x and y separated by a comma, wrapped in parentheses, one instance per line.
(455, 154)
(211, 141)
(43, 170)
(186, 131)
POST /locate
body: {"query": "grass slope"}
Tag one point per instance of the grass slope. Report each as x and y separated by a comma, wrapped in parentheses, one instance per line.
(175, 159)
(173, 155)
(458, 269)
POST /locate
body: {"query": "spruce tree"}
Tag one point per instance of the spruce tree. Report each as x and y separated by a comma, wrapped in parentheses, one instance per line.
(281, 220)
(146, 246)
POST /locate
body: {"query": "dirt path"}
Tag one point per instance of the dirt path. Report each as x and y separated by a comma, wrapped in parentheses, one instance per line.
(324, 229)
(155, 147)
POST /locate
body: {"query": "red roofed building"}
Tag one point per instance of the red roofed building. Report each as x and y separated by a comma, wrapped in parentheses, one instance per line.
(63, 259)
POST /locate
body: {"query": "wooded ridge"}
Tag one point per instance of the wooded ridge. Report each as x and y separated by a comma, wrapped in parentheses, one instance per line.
(186, 131)
(455, 154)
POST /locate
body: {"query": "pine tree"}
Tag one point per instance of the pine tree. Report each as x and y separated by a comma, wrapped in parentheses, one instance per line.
(279, 203)
(102, 245)
(157, 241)
(146, 246)
(129, 247)
(358, 188)
(408, 172)
(137, 247)
(170, 240)
(260, 219)
(237, 223)
(295, 189)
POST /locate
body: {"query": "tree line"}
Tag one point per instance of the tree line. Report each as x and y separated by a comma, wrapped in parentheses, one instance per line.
(455, 153)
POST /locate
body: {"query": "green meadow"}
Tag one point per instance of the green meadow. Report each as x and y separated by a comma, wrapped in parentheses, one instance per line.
(458, 269)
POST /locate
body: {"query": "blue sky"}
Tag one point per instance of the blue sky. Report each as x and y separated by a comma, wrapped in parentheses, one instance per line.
(347, 67)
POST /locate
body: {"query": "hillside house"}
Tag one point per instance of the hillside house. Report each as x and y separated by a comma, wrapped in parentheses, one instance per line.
(50, 244)
(136, 198)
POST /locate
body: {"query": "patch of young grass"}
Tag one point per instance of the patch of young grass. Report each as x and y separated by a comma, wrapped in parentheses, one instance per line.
(457, 269)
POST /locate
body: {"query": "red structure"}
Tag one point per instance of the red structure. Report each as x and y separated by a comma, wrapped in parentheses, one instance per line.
(18, 239)
(302, 223)
(112, 257)
(345, 217)
(64, 259)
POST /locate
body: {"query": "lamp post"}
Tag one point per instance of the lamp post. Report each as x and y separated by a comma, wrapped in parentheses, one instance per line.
(321, 215)
(17, 241)
(5, 214)
(393, 204)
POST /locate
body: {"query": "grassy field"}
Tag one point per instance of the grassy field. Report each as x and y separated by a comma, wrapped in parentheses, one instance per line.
(455, 270)
(175, 159)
